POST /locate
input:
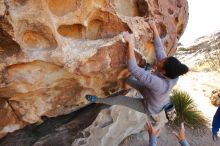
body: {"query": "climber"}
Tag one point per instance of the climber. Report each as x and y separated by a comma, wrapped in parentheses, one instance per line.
(154, 87)
(216, 124)
(154, 134)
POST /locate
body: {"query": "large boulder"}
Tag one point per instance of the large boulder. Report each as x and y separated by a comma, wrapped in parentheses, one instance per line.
(215, 97)
(54, 52)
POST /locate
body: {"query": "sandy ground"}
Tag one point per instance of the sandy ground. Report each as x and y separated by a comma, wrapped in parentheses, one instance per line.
(194, 137)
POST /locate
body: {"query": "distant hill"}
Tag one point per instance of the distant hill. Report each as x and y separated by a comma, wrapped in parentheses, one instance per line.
(204, 43)
(207, 43)
(204, 50)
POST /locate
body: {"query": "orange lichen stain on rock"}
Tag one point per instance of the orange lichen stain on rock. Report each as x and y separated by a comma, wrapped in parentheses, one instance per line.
(62, 7)
(75, 30)
(94, 30)
(36, 35)
(35, 40)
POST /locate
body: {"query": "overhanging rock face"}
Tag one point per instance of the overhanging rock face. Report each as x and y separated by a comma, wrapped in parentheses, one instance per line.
(54, 52)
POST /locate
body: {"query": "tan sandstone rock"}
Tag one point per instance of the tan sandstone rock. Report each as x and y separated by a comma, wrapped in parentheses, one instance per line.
(54, 52)
(111, 127)
(215, 97)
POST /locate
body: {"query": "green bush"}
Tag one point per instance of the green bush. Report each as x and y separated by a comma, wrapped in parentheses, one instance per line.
(187, 111)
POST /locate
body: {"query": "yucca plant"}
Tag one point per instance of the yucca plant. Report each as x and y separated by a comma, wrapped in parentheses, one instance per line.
(186, 109)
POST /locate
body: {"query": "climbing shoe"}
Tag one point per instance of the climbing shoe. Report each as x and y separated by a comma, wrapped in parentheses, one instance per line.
(91, 98)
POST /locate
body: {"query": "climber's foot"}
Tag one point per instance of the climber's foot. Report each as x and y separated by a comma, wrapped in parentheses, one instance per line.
(91, 98)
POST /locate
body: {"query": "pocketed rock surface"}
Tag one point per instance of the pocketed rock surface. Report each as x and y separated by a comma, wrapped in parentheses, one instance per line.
(54, 52)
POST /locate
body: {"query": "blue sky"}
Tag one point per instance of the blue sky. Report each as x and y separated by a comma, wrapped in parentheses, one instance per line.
(204, 18)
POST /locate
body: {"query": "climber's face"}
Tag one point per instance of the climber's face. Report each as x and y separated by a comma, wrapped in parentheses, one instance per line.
(160, 66)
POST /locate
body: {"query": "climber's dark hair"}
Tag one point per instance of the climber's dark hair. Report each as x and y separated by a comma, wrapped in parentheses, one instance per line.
(174, 68)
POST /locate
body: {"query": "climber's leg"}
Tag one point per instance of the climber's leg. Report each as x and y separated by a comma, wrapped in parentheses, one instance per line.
(133, 103)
